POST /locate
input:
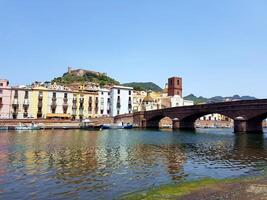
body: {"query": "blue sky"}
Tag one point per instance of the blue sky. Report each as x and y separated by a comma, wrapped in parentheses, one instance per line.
(218, 47)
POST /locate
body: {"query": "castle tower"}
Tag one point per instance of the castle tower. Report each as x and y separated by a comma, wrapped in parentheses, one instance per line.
(69, 70)
(175, 86)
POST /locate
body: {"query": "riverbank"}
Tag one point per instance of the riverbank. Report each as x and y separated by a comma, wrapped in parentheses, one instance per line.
(75, 124)
(53, 123)
(209, 189)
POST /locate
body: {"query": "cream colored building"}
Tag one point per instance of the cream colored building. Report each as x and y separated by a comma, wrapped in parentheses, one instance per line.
(144, 101)
(215, 117)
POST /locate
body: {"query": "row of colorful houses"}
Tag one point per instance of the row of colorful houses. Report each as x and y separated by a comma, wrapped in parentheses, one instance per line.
(22, 102)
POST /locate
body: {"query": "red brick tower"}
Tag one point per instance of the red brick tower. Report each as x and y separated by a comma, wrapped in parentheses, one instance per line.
(175, 86)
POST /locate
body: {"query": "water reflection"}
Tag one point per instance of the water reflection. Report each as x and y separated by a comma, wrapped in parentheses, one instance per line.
(103, 165)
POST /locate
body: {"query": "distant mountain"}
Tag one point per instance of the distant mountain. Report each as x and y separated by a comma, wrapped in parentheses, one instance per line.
(144, 86)
(83, 76)
(195, 99)
(216, 99)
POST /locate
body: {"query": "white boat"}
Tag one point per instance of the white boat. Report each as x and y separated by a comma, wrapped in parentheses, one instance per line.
(117, 126)
(3, 127)
(33, 126)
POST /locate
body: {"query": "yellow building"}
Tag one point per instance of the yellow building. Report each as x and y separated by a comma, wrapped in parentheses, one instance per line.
(63, 103)
(38, 102)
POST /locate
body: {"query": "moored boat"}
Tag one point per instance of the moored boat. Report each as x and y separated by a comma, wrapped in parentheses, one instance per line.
(33, 126)
(117, 126)
(3, 128)
(86, 124)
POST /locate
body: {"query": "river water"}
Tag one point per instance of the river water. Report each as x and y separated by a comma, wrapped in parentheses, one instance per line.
(76, 164)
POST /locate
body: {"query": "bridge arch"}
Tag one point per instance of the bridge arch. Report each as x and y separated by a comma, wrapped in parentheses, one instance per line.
(190, 121)
(160, 121)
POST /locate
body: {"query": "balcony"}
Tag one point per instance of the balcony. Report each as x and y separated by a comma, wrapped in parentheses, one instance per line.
(25, 114)
(15, 106)
(39, 114)
(26, 104)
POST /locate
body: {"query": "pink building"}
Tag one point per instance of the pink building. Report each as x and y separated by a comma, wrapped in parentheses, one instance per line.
(5, 99)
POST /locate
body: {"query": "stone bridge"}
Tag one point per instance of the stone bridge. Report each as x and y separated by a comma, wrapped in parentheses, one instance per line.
(247, 115)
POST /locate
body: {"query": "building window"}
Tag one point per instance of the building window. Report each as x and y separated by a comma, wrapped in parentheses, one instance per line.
(1, 91)
(1, 84)
(26, 94)
(119, 91)
(118, 112)
(178, 82)
(16, 94)
(130, 99)
(102, 111)
(130, 92)
(65, 95)
(102, 93)
(53, 110)
(54, 95)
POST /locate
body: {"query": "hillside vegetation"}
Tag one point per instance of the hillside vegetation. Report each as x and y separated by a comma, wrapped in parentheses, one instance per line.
(83, 76)
(139, 86)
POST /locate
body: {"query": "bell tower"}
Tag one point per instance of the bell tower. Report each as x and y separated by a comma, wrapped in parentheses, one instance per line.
(175, 86)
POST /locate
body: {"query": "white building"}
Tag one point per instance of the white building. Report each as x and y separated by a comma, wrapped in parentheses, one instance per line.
(104, 102)
(121, 99)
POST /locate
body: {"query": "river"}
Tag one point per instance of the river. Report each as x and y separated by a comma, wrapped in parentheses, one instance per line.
(78, 164)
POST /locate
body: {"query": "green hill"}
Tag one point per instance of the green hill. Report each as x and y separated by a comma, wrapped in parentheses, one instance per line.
(144, 86)
(83, 76)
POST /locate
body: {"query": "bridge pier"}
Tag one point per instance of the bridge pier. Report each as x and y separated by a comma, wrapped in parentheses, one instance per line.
(175, 123)
(247, 126)
(151, 124)
(183, 124)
